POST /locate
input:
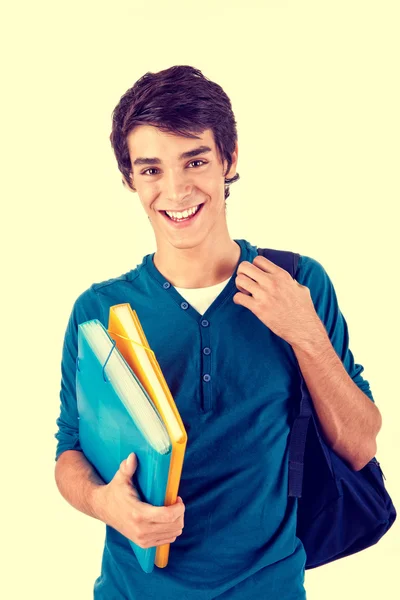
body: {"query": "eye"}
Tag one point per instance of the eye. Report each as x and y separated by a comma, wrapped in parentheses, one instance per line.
(198, 161)
(144, 172)
(154, 169)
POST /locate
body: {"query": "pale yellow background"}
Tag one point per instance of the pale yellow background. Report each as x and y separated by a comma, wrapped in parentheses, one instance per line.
(314, 87)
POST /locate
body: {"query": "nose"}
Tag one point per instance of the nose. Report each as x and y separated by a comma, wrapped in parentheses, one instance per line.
(176, 186)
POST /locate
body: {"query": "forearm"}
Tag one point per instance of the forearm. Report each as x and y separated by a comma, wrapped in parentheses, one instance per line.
(79, 483)
(349, 419)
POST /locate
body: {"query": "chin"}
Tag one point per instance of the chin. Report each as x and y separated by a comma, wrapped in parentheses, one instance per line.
(184, 243)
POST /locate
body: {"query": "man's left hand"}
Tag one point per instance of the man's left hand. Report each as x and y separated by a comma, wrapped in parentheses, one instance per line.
(278, 300)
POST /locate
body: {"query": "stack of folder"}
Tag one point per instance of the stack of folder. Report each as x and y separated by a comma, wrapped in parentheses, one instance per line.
(125, 406)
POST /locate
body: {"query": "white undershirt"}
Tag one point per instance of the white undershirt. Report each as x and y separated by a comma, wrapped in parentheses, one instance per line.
(202, 298)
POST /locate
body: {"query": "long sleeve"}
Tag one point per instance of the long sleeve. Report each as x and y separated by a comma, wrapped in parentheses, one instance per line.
(87, 306)
(312, 274)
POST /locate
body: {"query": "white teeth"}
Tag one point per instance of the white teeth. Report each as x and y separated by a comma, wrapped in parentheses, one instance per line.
(182, 215)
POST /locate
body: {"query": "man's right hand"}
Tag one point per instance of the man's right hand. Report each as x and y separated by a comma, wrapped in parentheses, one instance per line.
(118, 504)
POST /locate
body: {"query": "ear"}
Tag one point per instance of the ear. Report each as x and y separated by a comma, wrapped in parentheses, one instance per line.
(232, 171)
(126, 185)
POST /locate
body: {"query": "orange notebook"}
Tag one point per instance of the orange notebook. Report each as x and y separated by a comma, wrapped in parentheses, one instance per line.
(124, 327)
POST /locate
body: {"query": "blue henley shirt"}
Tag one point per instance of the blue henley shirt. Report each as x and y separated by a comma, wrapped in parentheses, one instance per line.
(236, 386)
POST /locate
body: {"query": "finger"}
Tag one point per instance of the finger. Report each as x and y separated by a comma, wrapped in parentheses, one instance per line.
(150, 535)
(161, 529)
(243, 290)
(167, 536)
(265, 264)
(247, 284)
(244, 300)
(162, 542)
(179, 520)
(127, 468)
(163, 525)
(164, 514)
(130, 465)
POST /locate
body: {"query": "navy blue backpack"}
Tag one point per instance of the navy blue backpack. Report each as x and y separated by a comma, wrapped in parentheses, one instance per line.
(340, 511)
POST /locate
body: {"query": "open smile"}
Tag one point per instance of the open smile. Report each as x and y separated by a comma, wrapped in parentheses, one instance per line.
(184, 221)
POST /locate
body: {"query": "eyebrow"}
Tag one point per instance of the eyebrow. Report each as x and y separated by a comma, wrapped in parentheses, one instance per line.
(189, 154)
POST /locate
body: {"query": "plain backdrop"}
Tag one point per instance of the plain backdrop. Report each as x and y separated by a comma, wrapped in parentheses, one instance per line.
(315, 91)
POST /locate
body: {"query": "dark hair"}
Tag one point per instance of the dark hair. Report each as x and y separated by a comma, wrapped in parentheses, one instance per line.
(178, 100)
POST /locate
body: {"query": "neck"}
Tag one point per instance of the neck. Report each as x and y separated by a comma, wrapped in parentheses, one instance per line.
(201, 266)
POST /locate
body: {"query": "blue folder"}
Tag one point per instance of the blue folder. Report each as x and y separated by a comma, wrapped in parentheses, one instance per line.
(108, 433)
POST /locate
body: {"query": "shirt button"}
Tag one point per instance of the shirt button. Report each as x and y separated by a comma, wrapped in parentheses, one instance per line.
(207, 350)
(184, 305)
(206, 377)
(166, 285)
(205, 323)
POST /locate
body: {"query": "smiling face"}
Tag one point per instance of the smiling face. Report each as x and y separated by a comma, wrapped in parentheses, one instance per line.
(174, 173)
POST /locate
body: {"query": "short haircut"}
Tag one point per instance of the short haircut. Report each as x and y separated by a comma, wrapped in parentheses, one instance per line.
(178, 100)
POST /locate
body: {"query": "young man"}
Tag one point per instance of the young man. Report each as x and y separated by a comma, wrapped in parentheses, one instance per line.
(227, 327)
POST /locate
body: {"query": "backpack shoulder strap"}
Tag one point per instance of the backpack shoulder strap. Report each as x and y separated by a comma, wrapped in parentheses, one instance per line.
(289, 261)
(283, 258)
(340, 511)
